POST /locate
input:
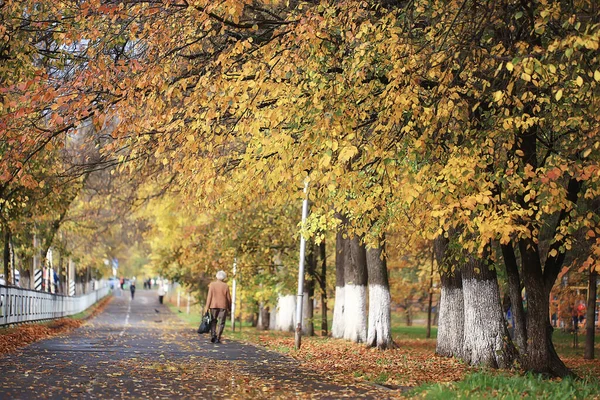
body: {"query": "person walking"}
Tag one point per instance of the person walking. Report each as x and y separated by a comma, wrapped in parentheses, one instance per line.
(132, 288)
(161, 293)
(218, 302)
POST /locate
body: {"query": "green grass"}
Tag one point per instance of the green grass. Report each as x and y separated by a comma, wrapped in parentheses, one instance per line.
(500, 386)
(193, 318)
(195, 315)
(412, 332)
(563, 342)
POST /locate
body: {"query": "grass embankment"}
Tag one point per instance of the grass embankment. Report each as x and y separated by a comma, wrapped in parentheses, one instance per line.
(510, 386)
(14, 337)
(415, 370)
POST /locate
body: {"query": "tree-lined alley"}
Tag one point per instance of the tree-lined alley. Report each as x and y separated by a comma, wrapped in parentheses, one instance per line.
(186, 129)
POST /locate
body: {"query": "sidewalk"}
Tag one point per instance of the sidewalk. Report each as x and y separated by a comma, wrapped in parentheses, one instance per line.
(139, 349)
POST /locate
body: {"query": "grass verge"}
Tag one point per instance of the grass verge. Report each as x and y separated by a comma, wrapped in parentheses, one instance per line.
(415, 366)
(505, 386)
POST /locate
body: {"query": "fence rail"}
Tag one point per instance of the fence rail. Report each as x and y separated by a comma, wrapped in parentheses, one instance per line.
(23, 305)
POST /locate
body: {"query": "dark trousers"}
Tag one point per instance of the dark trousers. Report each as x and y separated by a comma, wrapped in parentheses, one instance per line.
(160, 299)
(220, 314)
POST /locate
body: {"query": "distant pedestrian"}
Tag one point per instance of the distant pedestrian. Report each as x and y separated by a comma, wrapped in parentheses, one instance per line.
(581, 309)
(575, 317)
(132, 288)
(218, 302)
(161, 293)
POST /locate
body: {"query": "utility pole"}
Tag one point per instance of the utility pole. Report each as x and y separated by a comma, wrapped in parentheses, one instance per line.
(233, 295)
(299, 301)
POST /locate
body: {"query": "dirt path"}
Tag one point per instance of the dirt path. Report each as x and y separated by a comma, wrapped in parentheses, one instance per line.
(139, 349)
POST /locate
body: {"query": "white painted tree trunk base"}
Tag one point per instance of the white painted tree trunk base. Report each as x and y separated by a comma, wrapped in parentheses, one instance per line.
(337, 326)
(484, 332)
(380, 324)
(286, 309)
(355, 313)
(451, 323)
(273, 319)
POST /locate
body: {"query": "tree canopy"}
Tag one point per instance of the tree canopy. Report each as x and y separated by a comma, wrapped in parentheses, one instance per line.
(203, 120)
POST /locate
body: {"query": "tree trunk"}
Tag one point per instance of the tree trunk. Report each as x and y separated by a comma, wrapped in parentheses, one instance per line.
(430, 301)
(286, 308)
(308, 324)
(407, 311)
(541, 355)
(263, 317)
(355, 290)
(323, 284)
(590, 316)
(337, 327)
(273, 318)
(486, 339)
(451, 308)
(380, 322)
(516, 300)
(6, 257)
(538, 358)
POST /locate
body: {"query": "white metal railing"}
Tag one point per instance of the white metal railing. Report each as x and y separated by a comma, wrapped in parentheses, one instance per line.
(24, 305)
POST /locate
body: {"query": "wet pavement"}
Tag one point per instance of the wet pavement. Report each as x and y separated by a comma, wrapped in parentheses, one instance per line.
(140, 349)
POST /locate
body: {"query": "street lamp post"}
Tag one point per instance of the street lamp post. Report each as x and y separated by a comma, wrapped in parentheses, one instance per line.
(233, 296)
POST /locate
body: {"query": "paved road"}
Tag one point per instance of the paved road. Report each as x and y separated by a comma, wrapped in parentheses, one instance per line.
(139, 349)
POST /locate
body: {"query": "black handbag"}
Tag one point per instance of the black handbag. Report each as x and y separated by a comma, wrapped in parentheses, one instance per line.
(205, 323)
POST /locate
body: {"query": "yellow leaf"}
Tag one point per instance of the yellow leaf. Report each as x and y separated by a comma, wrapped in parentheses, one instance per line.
(553, 253)
(586, 152)
(325, 160)
(520, 153)
(347, 153)
(597, 75)
(558, 95)
(579, 81)
(509, 66)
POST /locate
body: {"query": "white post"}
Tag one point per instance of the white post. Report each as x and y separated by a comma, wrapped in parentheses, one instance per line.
(233, 296)
(301, 269)
(12, 262)
(178, 297)
(49, 271)
(71, 277)
(37, 275)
